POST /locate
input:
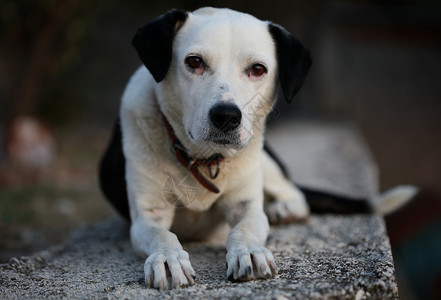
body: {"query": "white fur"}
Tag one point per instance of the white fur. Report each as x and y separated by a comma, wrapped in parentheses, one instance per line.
(393, 199)
(229, 42)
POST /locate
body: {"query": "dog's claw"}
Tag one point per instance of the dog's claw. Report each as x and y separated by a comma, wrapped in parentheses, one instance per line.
(273, 267)
(249, 271)
(149, 282)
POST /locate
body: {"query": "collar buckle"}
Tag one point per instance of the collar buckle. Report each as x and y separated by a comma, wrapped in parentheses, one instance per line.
(210, 170)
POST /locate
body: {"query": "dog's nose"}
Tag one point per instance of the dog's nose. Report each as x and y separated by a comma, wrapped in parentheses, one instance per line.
(225, 117)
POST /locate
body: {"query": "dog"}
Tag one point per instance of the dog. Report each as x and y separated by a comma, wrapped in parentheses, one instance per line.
(194, 115)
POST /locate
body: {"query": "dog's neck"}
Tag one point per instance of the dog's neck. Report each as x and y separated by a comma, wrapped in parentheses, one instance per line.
(193, 164)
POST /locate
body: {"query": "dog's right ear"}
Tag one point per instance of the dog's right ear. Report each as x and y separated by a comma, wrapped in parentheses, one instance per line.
(154, 42)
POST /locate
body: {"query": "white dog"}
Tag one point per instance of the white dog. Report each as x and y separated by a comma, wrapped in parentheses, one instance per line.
(197, 109)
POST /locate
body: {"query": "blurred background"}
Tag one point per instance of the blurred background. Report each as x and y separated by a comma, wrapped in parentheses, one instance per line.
(64, 65)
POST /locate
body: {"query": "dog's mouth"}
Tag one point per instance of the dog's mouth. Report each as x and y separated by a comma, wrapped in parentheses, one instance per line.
(219, 140)
(231, 140)
(227, 145)
(224, 142)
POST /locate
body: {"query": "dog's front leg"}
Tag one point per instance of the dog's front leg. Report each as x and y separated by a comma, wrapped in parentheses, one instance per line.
(168, 265)
(247, 258)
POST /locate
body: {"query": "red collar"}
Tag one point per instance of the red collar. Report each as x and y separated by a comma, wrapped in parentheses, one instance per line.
(193, 164)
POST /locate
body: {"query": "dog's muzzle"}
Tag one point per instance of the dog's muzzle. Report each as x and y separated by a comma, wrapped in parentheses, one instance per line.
(225, 117)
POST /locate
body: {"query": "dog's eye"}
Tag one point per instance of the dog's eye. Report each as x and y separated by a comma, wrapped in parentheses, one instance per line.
(257, 70)
(196, 63)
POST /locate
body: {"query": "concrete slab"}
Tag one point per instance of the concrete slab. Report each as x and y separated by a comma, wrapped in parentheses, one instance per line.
(330, 256)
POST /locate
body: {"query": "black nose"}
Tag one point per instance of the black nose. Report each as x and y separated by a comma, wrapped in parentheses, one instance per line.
(225, 117)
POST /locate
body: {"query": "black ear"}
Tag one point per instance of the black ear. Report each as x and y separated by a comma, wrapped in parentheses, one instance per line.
(293, 61)
(154, 41)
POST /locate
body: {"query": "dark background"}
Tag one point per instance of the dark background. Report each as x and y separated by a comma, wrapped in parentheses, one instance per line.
(64, 64)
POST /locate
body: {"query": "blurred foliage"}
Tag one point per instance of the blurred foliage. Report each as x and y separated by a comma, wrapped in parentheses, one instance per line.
(40, 40)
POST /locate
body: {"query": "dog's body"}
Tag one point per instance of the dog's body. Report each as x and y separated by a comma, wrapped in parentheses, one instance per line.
(210, 79)
(223, 67)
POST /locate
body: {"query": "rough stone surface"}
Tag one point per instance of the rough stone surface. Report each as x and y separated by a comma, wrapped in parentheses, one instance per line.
(330, 256)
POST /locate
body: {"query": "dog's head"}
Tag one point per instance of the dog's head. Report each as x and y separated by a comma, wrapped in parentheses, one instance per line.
(217, 72)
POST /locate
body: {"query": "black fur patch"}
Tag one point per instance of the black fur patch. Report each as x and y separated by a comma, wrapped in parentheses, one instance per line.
(154, 42)
(325, 202)
(112, 173)
(293, 61)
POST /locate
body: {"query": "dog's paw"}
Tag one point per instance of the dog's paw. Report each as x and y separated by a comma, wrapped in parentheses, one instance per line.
(287, 211)
(248, 263)
(169, 270)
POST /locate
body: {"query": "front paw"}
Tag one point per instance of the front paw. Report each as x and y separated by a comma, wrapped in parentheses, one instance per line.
(248, 263)
(168, 270)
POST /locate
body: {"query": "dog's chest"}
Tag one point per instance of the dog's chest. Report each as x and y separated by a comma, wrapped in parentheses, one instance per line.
(184, 190)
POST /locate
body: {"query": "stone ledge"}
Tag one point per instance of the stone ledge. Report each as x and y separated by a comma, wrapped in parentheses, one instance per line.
(330, 256)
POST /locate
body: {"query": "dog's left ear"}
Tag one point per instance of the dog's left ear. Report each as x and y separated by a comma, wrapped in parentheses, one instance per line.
(293, 60)
(154, 42)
